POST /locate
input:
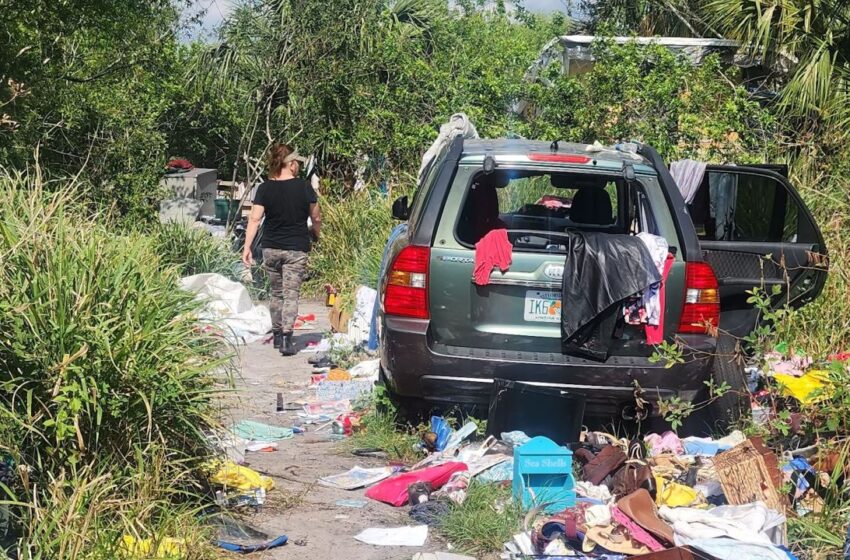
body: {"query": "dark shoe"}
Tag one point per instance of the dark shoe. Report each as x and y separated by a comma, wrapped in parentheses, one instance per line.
(324, 363)
(287, 348)
(278, 338)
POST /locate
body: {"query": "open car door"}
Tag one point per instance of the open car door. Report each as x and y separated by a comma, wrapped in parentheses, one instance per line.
(755, 231)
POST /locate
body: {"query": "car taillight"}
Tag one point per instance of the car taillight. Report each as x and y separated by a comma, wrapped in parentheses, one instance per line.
(702, 299)
(406, 294)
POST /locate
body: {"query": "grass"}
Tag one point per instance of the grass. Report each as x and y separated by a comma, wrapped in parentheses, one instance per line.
(485, 521)
(193, 251)
(107, 386)
(380, 430)
(821, 535)
(354, 232)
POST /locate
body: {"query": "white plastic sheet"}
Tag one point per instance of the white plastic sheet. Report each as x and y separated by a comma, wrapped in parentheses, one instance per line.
(229, 306)
(361, 319)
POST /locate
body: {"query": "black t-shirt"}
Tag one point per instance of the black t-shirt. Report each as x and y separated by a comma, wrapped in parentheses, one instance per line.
(287, 205)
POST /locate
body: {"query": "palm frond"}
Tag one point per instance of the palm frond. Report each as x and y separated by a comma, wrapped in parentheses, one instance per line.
(811, 87)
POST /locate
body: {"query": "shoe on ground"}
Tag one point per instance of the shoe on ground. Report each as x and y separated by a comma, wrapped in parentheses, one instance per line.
(287, 347)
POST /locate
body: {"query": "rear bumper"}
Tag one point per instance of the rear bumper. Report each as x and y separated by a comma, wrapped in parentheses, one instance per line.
(417, 367)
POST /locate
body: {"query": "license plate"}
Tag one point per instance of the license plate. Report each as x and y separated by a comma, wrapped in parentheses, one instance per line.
(542, 307)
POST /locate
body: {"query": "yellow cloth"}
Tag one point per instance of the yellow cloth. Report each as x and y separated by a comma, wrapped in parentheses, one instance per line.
(673, 494)
(131, 547)
(242, 478)
(338, 374)
(801, 388)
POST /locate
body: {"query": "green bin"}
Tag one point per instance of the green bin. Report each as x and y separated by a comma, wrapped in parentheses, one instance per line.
(221, 212)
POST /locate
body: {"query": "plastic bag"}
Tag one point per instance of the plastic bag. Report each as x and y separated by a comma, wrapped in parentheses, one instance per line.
(236, 476)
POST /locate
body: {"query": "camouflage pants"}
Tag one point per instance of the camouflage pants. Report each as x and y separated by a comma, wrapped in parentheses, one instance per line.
(286, 270)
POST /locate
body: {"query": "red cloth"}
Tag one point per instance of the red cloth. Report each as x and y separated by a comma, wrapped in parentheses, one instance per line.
(393, 490)
(655, 333)
(494, 249)
(179, 164)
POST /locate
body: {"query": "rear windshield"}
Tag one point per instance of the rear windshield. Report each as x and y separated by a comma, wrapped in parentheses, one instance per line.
(540, 206)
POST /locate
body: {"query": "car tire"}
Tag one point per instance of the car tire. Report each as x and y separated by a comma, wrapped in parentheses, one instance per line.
(729, 407)
(406, 410)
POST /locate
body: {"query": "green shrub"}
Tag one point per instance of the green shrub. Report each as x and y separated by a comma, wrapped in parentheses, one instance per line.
(103, 371)
(193, 251)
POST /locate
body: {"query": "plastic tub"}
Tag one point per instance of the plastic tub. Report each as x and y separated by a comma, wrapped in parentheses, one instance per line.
(537, 411)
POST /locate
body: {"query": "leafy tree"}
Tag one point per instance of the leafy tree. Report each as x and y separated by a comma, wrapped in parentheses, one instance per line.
(374, 83)
(652, 95)
(84, 87)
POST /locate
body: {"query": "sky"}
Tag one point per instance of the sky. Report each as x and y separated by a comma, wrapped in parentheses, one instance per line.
(214, 11)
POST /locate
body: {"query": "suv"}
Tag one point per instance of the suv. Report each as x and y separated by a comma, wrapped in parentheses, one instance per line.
(445, 339)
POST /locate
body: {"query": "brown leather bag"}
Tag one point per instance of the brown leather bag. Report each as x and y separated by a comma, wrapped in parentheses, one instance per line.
(604, 463)
(631, 476)
(640, 507)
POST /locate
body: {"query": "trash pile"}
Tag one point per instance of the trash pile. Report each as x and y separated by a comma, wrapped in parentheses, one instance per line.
(702, 497)
(594, 495)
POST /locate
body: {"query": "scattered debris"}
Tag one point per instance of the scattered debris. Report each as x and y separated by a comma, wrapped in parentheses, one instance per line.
(393, 491)
(351, 503)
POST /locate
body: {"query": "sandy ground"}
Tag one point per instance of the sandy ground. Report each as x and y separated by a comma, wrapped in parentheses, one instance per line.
(298, 507)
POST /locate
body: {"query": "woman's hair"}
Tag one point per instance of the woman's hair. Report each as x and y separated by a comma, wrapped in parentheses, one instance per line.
(277, 154)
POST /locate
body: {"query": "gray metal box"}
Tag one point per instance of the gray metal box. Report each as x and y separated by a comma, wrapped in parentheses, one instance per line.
(198, 183)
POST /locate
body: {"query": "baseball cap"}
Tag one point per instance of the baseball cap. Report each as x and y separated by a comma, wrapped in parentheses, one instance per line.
(295, 156)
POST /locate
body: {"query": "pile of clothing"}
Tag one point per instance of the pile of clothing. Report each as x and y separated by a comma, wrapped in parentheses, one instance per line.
(668, 497)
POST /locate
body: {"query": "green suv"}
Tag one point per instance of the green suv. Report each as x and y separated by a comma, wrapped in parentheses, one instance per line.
(444, 339)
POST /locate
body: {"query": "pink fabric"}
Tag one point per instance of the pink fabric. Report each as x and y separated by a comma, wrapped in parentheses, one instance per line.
(393, 490)
(668, 441)
(494, 249)
(636, 531)
(795, 365)
(655, 333)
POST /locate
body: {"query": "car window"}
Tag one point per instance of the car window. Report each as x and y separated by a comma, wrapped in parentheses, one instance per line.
(744, 207)
(543, 201)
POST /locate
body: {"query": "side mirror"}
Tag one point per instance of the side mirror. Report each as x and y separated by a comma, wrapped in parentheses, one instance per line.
(400, 209)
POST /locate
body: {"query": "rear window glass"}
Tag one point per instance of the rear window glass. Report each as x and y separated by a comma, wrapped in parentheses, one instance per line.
(542, 202)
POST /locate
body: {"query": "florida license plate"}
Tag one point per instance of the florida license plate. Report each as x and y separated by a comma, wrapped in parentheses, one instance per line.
(542, 307)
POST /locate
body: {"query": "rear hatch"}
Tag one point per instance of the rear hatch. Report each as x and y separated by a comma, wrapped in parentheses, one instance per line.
(520, 309)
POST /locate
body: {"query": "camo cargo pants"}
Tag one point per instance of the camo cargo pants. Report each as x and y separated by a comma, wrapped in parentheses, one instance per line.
(286, 270)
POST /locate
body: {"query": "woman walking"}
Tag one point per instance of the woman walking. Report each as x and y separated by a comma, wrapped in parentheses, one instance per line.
(286, 201)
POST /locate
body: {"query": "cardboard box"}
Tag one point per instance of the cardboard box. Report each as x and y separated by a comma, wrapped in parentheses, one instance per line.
(339, 319)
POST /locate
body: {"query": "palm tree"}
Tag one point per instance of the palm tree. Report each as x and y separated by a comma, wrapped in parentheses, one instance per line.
(814, 34)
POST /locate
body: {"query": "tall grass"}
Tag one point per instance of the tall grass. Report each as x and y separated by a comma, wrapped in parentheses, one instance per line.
(106, 384)
(487, 519)
(193, 251)
(823, 326)
(355, 229)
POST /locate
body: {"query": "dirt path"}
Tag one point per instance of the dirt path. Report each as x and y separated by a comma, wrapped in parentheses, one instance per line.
(298, 507)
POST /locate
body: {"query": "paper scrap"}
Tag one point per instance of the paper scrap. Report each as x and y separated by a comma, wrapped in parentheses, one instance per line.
(394, 536)
(356, 477)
